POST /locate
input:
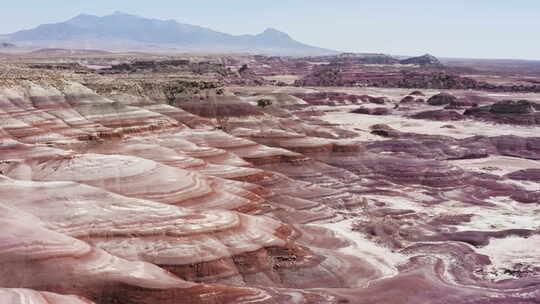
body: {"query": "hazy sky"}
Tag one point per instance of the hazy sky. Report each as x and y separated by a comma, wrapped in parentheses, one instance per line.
(447, 28)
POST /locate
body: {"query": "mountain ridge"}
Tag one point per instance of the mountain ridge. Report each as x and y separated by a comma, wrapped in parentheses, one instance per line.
(135, 32)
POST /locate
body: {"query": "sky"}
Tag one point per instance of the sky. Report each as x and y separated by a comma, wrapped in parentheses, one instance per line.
(444, 28)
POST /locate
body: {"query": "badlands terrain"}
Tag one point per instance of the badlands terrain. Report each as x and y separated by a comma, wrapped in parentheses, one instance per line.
(145, 179)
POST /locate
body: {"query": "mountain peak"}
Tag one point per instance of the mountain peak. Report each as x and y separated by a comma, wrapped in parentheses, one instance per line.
(82, 17)
(122, 14)
(273, 32)
(82, 20)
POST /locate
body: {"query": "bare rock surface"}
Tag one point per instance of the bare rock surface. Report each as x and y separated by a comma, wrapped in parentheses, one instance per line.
(438, 115)
(149, 191)
(519, 112)
(441, 99)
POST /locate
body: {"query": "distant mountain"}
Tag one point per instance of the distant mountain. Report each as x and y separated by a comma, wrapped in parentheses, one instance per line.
(5, 45)
(121, 31)
(425, 60)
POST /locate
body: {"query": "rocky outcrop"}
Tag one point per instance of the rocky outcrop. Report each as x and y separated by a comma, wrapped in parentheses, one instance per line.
(514, 107)
(326, 76)
(522, 147)
(460, 104)
(425, 60)
(521, 112)
(358, 58)
(441, 99)
(22, 296)
(416, 171)
(350, 75)
(407, 99)
(525, 175)
(330, 98)
(438, 115)
(384, 130)
(372, 111)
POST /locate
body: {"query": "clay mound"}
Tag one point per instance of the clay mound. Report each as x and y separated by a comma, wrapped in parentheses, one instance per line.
(376, 100)
(175, 158)
(384, 130)
(107, 224)
(407, 99)
(372, 111)
(176, 238)
(134, 177)
(280, 160)
(438, 115)
(477, 98)
(330, 98)
(220, 109)
(460, 104)
(362, 110)
(249, 150)
(42, 250)
(39, 114)
(295, 142)
(417, 93)
(309, 126)
(124, 119)
(430, 173)
(525, 175)
(381, 111)
(182, 116)
(424, 60)
(441, 99)
(520, 112)
(428, 148)
(53, 102)
(182, 146)
(23, 296)
(513, 107)
(175, 214)
(27, 123)
(509, 145)
(14, 153)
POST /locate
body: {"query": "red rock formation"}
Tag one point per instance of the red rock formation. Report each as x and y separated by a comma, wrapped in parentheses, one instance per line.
(36, 250)
(168, 213)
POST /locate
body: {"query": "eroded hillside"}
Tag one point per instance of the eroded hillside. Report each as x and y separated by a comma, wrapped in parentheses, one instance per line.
(151, 185)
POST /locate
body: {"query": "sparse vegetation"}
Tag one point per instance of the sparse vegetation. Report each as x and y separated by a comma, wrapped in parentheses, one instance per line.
(263, 103)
